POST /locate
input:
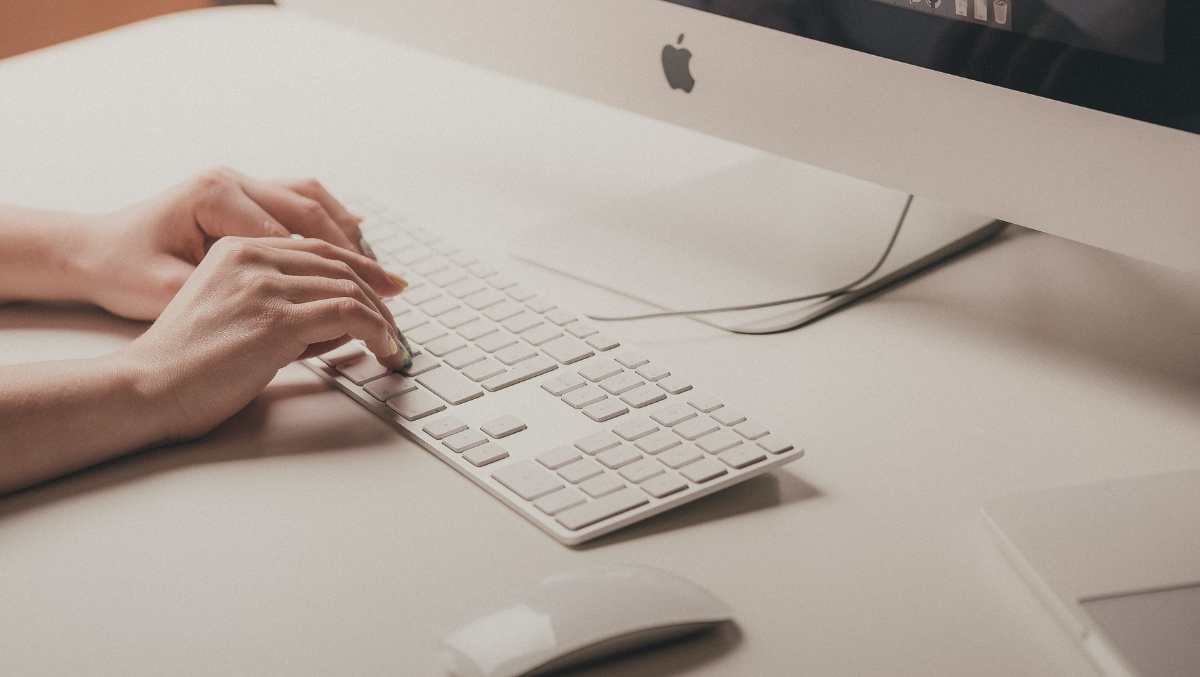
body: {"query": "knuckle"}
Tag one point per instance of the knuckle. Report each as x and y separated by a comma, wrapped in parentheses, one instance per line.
(345, 270)
(214, 181)
(310, 184)
(348, 309)
(310, 210)
(349, 289)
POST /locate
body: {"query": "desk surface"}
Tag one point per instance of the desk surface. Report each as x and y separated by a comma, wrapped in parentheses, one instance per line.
(305, 537)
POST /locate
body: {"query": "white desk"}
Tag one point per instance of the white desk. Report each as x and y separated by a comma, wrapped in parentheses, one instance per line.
(305, 537)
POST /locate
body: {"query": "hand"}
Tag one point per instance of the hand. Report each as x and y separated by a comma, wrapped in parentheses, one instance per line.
(136, 259)
(252, 306)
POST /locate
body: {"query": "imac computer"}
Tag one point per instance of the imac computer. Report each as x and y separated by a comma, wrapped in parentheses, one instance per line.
(1079, 118)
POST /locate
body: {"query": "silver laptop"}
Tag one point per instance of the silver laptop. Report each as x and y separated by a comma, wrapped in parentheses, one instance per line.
(1118, 563)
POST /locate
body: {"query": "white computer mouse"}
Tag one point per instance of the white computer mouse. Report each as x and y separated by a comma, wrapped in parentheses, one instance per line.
(577, 616)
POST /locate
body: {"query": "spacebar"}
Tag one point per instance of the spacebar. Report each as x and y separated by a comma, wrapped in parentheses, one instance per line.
(612, 504)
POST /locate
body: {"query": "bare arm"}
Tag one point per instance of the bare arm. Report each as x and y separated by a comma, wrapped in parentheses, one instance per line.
(234, 300)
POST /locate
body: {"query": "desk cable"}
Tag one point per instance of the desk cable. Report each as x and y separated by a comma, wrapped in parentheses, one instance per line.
(826, 295)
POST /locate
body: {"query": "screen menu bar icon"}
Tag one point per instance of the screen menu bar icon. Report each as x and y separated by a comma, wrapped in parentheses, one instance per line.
(994, 13)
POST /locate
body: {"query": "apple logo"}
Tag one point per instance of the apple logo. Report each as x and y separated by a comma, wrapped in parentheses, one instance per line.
(677, 65)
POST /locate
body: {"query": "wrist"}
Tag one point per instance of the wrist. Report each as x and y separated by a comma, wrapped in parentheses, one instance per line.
(147, 396)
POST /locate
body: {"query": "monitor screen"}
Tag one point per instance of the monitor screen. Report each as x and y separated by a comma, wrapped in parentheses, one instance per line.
(1135, 58)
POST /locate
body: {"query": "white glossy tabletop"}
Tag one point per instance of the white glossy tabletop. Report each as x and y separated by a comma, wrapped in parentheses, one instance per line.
(305, 537)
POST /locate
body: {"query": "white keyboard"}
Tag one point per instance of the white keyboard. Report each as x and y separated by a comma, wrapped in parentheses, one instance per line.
(575, 431)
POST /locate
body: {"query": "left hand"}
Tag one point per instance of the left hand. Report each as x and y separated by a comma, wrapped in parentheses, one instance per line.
(139, 257)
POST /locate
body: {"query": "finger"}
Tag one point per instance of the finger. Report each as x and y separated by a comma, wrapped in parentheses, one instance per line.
(331, 319)
(299, 214)
(305, 288)
(313, 189)
(383, 281)
(331, 275)
(225, 209)
(324, 347)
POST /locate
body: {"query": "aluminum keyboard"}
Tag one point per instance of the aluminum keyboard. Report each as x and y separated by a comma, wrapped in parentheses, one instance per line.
(575, 431)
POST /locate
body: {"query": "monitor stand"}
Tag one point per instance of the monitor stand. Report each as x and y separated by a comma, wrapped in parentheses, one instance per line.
(761, 229)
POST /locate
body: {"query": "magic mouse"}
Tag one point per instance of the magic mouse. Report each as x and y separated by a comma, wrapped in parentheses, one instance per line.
(577, 616)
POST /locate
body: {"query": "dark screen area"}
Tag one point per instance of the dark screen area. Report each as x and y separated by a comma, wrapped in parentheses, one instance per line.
(1135, 58)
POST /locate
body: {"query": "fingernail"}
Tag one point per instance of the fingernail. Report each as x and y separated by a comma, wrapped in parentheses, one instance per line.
(397, 280)
(366, 248)
(393, 346)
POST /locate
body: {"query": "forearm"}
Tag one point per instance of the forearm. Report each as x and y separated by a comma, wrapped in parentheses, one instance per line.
(42, 255)
(56, 417)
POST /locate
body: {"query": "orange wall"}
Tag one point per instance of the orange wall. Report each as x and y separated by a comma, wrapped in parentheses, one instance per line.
(29, 24)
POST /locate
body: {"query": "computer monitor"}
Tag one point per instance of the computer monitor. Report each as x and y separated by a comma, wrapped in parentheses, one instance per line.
(1076, 117)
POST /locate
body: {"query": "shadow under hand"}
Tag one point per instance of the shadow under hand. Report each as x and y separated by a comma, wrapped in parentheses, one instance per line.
(265, 428)
(770, 490)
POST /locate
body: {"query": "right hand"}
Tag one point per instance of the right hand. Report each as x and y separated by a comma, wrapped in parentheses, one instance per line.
(252, 306)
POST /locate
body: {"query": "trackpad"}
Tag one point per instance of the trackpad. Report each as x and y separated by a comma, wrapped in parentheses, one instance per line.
(1157, 633)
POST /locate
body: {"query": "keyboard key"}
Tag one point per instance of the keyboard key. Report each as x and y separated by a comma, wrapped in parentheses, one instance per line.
(580, 470)
(450, 386)
(448, 276)
(444, 345)
(446, 248)
(560, 316)
(522, 372)
(426, 332)
(602, 508)
(664, 485)
(635, 428)
(346, 352)
(464, 288)
(415, 404)
(751, 430)
(658, 442)
(409, 321)
(457, 318)
(594, 444)
(567, 350)
(674, 385)
(600, 369)
(464, 440)
(520, 293)
(501, 281)
(563, 384)
(584, 396)
(482, 371)
(581, 329)
(444, 427)
(602, 485)
(503, 426)
(742, 456)
(673, 414)
(703, 402)
(719, 441)
(464, 358)
(629, 358)
(727, 416)
(774, 445)
(618, 456)
(703, 470)
(430, 266)
(502, 311)
(484, 299)
(653, 372)
(601, 342)
(463, 259)
(559, 501)
(476, 329)
(481, 270)
(696, 427)
(362, 369)
(390, 386)
(527, 480)
(605, 410)
(515, 353)
(541, 334)
(558, 457)
(421, 294)
(643, 396)
(541, 304)
(421, 364)
(680, 456)
(522, 322)
(439, 307)
(488, 453)
(621, 383)
(640, 471)
(496, 341)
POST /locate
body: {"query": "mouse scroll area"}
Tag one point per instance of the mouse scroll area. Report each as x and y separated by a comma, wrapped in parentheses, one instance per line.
(580, 616)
